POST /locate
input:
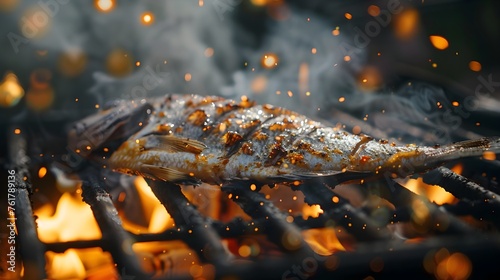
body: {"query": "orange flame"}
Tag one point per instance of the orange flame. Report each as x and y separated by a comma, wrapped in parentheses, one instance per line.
(62, 226)
(162, 257)
(323, 241)
(154, 212)
(434, 193)
(311, 211)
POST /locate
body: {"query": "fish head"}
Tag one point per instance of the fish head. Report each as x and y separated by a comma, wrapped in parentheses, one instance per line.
(109, 128)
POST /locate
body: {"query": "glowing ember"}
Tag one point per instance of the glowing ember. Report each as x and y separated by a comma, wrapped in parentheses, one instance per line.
(40, 96)
(104, 5)
(370, 78)
(119, 63)
(11, 91)
(459, 168)
(42, 172)
(147, 18)
(373, 10)
(406, 24)
(269, 61)
(447, 266)
(259, 84)
(336, 32)
(17, 131)
(439, 42)
(259, 2)
(348, 16)
(244, 251)
(72, 63)
(475, 66)
(188, 77)
(209, 52)
(356, 129)
(303, 77)
(489, 155)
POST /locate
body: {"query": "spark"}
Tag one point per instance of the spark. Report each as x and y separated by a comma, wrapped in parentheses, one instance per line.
(439, 42)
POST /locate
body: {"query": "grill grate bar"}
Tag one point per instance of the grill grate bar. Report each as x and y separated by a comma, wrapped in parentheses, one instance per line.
(440, 220)
(201, 236)
(32, 250)
(405, 262)
(343, 213)
(285, 235)
(115, 238)
(238, 228)
(61, 247)
(466, 190)
(479, 210)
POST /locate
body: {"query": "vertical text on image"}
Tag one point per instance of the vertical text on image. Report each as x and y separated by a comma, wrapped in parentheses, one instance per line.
(11, 220)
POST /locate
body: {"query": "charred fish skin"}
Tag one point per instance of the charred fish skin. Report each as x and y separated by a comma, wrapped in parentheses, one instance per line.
(208, 138)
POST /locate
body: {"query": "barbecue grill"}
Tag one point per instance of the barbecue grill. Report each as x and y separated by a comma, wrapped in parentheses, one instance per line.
(381, 228)
(378, 252)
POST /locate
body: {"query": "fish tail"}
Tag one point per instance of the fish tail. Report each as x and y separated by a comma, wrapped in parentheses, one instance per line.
(468, 148)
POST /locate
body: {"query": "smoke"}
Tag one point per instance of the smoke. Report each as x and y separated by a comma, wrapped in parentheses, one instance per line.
(203, 50)
(310, 72)
(413, 112)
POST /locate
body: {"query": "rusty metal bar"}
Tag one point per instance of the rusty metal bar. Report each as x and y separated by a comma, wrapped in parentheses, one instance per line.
(32, 250)
(114, 238)
(284, 234)
(200, 236)
(343, 213)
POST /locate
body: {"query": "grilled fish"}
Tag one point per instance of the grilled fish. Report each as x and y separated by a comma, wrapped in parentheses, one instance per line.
(191, 138)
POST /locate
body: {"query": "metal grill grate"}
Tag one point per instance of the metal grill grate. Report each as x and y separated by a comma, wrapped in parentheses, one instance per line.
(204, 235)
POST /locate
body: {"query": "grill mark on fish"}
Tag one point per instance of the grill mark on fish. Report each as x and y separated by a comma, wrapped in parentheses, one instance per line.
(228, 108)
(237, 146)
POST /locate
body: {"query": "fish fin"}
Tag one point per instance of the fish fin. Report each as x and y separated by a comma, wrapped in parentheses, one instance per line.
(468, 148)
(168, 174)
(175, 143)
